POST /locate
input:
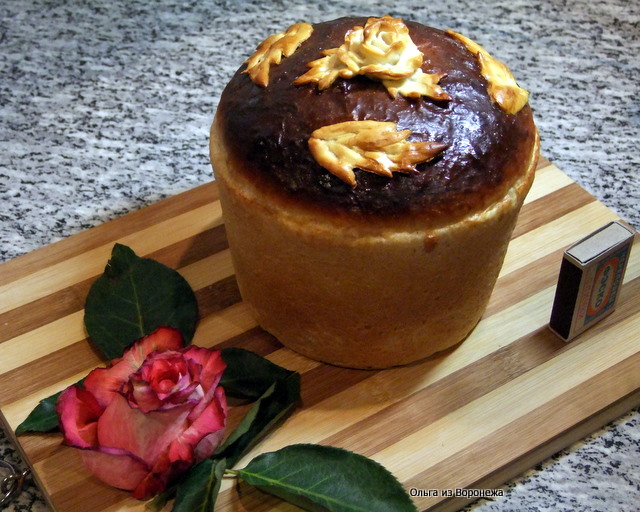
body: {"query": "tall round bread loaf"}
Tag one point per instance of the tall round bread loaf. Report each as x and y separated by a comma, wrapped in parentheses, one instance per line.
(370, 268)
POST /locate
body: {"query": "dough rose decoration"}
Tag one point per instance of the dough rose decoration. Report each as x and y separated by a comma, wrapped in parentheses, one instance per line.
(373, 146)
(273, 48)
(501, 85)
(381, 50)
(154, 421)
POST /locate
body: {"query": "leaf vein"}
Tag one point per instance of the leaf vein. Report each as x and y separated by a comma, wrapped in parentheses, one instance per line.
(137, 304)
(303, 491)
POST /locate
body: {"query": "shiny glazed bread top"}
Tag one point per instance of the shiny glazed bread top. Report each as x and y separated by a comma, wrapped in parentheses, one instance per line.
(341, 135)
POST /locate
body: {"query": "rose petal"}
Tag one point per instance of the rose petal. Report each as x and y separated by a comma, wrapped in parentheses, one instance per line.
(168, 373)
(162, 370)
(144, 435)
(117, 468)
(140, 394)
(207, 446)
(150, 485)
(162, 339)
(211, 362)
(105, 382)
(212, 420)
(212, 368)
(78, 412)
(161, 474)
(191, 393)
(165, 379)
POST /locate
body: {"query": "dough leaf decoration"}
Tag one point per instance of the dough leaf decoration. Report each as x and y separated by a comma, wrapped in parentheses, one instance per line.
(501, 85)
(372, 146)
(273, 48)
(418, 84)
(381, 50)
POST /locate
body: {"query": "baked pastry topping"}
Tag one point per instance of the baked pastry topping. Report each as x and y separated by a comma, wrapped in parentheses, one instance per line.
(266, 129)
(381, 50)
(273, 48)
(418, 84)
(375, 168)
(501, 85)
(373, 146)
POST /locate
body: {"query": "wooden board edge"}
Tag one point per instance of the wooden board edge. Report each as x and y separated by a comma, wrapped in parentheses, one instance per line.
(33, 475)
(541, 453)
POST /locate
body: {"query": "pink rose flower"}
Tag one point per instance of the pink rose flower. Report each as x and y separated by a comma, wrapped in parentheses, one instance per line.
(148, 416)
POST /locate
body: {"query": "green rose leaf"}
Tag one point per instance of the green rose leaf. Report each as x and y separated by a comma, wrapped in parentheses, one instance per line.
(278, 400)
(44, 417)
(321, 478)
(134, 297)
(199, 491)
(248, 375)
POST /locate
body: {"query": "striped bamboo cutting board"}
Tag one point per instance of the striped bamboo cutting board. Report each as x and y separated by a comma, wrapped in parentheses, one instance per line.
(507, 397)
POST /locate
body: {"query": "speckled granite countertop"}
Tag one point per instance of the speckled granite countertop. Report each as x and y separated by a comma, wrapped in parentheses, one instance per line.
(105, 108)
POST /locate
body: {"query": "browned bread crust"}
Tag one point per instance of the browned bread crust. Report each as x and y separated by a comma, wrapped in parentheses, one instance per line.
(348, 265)
(267, 129)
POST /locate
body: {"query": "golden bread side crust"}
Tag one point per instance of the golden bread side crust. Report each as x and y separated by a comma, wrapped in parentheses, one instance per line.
(362, 294)
(369, 207)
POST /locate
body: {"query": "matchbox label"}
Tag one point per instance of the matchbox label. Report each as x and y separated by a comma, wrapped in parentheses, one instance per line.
(590, 278)
(606, 284)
